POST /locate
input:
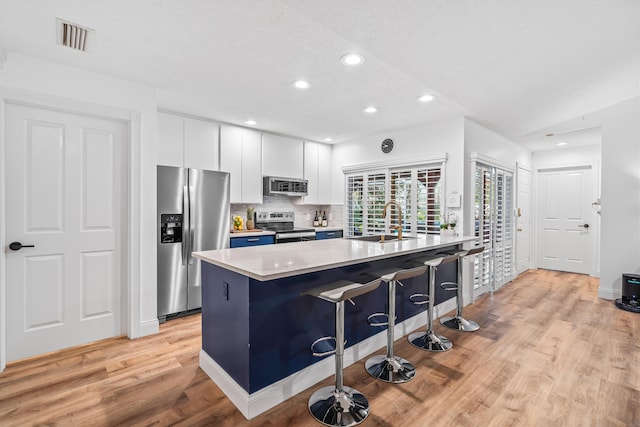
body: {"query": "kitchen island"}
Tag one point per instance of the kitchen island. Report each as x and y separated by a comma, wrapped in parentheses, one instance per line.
(257, 328)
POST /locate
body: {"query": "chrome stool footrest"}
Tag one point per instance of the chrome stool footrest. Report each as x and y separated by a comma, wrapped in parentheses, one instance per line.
(419, 299)
(375, 322)
(449, 286)
(316, 352)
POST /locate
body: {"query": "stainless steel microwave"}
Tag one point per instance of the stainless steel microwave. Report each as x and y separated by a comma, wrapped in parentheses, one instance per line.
(284, 186)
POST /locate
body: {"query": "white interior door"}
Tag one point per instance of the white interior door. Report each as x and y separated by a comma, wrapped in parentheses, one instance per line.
(64, 195)
(523, 221)
(566, 226)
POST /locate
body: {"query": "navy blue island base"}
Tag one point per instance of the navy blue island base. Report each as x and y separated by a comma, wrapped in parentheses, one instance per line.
(260, 332)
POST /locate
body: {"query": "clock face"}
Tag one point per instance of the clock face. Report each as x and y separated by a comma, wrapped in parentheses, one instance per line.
(386, 146)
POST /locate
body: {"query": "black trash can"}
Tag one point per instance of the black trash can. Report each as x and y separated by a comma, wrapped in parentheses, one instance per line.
(630, 300)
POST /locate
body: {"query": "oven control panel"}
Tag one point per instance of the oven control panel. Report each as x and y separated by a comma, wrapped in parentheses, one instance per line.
(274, 217)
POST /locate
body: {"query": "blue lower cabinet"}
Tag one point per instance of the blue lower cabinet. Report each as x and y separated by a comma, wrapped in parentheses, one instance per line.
(323, 235)
(240, 242)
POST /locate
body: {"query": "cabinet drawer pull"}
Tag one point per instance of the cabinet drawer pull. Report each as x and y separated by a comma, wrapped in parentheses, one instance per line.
(255, 239)
(333, 233)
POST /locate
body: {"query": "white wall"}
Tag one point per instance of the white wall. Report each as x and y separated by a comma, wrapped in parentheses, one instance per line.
(479, 139)
(587, 155)
(620, 222)
(26, 73)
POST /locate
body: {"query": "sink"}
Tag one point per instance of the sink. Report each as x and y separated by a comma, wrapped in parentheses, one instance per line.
(378, 238)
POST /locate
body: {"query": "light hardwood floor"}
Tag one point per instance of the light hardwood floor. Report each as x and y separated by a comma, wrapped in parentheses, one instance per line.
(549, 353)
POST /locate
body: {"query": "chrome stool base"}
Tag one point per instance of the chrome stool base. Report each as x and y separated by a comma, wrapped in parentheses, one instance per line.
(430, 341)
(460, 323)
(392, 370)
(346, 408)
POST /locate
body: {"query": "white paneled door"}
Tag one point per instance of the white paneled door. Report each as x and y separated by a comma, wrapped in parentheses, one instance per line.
(566, 231)
(64, 194)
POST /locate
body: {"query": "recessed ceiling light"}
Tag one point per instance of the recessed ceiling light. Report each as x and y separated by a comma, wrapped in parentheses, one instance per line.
(562, 143)
(302, 84)
(327, 139)
(250, 122)
(426, 98)
(370, 110)
(352, 59)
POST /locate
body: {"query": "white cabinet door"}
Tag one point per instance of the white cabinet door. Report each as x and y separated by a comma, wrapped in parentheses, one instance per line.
(170, 140)
(201, 144)
(241, 156)
(185, 142)
(231, 159)
(324, 174)
(282, 156)
(251, 166)
(317, 170)
(311, 172)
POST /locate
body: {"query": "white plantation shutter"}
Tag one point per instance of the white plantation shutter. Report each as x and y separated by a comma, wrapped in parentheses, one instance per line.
(493, 227)
(354, 205)
(376, 192)
(416, 189)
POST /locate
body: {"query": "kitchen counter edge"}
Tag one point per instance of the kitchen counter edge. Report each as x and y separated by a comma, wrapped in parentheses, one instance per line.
(272, 262)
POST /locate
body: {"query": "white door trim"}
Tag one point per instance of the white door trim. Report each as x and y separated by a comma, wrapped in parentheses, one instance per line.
(131, 298)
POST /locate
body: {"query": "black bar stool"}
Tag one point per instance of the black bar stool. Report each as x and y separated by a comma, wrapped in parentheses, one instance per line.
(458, 322)
(390, 368)
(429, 340)
(339, 405)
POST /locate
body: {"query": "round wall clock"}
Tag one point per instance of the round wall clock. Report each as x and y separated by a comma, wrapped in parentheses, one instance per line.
(387, 145)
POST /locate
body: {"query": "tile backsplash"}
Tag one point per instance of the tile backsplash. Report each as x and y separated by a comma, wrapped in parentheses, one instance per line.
(303, 213)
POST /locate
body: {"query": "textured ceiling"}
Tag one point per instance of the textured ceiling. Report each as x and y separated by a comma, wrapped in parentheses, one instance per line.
(514, 66)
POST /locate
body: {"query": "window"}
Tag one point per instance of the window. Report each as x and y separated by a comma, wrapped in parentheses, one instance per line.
(416, 189)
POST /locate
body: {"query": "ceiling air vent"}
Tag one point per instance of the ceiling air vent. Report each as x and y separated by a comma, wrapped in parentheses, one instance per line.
(73, 35)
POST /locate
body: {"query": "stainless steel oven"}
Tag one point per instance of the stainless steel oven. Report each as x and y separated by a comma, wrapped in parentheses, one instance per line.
(282, 224)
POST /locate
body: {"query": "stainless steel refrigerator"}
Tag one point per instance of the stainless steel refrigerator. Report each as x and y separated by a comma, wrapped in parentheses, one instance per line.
(193, 215)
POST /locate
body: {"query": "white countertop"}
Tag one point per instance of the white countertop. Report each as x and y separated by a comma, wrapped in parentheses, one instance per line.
(252, 233)
(270, 262)
(328, 228)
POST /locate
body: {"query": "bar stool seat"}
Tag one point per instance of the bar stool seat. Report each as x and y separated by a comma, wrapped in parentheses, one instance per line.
(339, 405)
(428, 340)
(458, 321)
(391, 368)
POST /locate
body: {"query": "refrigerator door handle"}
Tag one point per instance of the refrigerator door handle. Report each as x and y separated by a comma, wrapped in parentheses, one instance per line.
(186, 224)
(191, 226)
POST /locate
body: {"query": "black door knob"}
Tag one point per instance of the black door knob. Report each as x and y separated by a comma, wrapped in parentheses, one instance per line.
(16, 246)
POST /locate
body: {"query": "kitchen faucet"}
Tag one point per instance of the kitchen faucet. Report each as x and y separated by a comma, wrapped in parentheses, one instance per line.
(399, 209)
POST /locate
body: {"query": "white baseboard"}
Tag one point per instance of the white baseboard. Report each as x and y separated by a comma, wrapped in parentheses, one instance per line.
(252, 405)
(609, 293)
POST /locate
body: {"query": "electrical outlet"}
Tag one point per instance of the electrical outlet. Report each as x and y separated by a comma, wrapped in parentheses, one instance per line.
(330, 217)
(308, 216)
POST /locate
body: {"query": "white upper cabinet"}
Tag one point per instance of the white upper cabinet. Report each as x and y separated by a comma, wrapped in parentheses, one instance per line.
(282, 156)
(186, 142)
(201, 144)
(324, 174)
(317, 170)
(170, 140)
(241, 155)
